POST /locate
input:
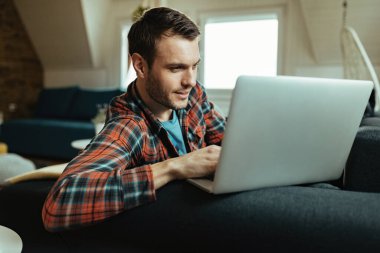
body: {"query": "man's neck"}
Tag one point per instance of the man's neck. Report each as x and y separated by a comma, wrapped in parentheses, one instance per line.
(160, 111)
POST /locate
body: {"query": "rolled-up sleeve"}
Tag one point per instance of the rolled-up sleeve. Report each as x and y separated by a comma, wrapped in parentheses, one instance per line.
(102, 181)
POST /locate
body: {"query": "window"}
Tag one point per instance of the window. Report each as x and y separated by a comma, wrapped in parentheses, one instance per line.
(128, 73)
(238, 44)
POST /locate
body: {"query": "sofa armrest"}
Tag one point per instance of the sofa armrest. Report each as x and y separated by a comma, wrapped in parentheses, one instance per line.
(186, 219)
(363, 164)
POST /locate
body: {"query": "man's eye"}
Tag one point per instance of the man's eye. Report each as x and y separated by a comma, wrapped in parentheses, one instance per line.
(176, 69)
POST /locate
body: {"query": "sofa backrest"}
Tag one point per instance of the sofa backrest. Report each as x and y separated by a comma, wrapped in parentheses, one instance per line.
(86, 102)
(72, 102)
(55, 103)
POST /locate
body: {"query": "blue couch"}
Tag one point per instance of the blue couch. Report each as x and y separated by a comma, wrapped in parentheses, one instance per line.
(61, 116)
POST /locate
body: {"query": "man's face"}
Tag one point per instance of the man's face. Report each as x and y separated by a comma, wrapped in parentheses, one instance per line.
(173, 72)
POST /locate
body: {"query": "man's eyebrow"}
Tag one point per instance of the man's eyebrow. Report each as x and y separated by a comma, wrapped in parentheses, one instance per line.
(181, 65)
(176, 65)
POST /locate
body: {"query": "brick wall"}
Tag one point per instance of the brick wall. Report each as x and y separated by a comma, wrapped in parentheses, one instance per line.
(21, 73)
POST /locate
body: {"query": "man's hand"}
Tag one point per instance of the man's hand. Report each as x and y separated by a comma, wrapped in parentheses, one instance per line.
(198, 163)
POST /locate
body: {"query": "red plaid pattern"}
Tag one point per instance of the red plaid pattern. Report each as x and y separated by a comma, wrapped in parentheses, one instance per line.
(113, 173)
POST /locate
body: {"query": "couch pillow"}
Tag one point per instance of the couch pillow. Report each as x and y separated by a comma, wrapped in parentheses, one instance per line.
(55, 102)
(86, 102)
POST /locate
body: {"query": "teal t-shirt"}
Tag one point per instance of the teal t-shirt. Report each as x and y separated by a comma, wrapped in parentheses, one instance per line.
(175, 133)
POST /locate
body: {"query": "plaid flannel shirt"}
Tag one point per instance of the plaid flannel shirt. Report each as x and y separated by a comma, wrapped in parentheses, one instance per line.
(113, 173)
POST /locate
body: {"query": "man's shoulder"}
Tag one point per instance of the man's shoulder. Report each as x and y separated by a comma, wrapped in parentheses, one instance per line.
(124, 106)
(200, 89)
(197, 95)
(127, 127)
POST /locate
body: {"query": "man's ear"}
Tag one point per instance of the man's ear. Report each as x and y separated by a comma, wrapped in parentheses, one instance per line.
(140, 65)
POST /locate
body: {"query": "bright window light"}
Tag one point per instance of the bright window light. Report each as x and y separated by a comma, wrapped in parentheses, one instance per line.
(128, 73)
(233, 48)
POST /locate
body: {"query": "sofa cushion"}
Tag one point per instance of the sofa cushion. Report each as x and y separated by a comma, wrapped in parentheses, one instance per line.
(278, 219)
(54, 102)
(45, 137)
(86, 102)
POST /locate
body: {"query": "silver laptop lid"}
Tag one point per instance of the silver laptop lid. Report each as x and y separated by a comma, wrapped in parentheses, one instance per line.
(289, 130)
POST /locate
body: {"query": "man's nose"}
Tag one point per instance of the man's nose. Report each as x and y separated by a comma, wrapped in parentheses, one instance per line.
(190, 78)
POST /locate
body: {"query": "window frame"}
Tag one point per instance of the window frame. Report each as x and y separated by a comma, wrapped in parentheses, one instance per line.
(124, 68)
(241, 15)
(222, 97)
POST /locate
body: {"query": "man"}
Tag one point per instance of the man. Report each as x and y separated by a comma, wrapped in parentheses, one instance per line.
(162, 129)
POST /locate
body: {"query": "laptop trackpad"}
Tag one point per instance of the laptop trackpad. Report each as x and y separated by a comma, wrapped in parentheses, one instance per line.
(204, 184)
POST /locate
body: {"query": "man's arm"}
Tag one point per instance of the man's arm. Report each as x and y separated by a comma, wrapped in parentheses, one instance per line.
(102, 181)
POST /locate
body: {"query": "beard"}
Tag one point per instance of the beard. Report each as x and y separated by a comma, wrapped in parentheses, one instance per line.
(158, 94)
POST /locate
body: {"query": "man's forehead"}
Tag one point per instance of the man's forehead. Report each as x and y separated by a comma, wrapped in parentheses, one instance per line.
(177, 49)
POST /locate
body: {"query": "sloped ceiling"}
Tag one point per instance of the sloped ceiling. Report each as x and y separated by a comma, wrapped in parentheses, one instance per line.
(68, 34)
(95, 16)
(63, 34)
(324, 21)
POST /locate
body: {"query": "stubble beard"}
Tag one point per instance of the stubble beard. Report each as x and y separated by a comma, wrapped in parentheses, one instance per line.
(159, 95)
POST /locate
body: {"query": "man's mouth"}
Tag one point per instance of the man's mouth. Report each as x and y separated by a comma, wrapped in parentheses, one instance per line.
(183, 94)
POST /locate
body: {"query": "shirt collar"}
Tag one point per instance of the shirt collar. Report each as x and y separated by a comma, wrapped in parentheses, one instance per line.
(147, 114)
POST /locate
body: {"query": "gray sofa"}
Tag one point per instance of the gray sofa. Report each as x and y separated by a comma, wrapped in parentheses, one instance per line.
(61, 116)
(307, 218)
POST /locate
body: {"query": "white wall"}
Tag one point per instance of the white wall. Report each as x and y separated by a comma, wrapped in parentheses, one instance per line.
(95, 15)
(297, 56)
(120, 13)
(82, 77)
(296, 51)
(328, 71)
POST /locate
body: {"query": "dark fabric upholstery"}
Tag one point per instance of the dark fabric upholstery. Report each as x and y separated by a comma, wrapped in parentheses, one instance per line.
(286, 219)
(371, 121)
(85, 103)
(55, 103)
(62, 115)
(45, 137)
(20, 210)
(186, 219)
(314, 218)
(363, 165)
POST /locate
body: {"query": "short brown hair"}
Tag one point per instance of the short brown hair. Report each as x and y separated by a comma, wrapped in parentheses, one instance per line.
(154, 24)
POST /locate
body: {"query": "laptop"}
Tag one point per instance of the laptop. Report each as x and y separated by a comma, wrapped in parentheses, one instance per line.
(286, 131)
